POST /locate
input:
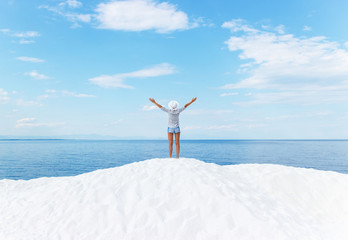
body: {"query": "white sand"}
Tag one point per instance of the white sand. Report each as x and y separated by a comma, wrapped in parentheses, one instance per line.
(178, 199)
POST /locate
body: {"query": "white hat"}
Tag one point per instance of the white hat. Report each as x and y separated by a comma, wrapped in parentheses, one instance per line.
(173, 105)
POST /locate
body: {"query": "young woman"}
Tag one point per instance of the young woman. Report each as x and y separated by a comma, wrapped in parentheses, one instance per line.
(173, 123)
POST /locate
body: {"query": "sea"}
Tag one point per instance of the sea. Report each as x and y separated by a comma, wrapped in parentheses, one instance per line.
(29, 159)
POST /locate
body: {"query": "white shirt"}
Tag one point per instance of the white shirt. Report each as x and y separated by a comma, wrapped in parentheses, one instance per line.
(173, 116)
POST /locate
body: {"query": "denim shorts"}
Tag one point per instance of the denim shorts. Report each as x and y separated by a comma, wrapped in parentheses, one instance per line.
(174, 130)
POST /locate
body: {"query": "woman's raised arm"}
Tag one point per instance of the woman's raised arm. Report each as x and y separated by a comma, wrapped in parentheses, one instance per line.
(153, 100)
(188, 104)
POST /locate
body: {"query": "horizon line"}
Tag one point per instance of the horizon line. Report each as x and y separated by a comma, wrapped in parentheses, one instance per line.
(163, 139)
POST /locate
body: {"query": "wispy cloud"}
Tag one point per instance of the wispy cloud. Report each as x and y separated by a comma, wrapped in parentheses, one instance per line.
(128, 15)
(78, 95)
(141, 15)
(307, 28)
(64, 9)
(26, 120)
(25, 103)
(148, 108)
(237, 25)
(117, 80)
(34, 74)
(52, 93)
(31, 59)
(228, 94)
(4, 96)
(24, 41)
(71, 3)
(27, 34)
(32, 122)
(346, 44)
(283, 62)
(280, 29)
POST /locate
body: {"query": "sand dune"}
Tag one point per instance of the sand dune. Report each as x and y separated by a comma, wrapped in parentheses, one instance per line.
(178, 199)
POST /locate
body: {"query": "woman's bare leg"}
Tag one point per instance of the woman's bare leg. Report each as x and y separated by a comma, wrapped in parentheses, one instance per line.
(177, 144)
(170, 140)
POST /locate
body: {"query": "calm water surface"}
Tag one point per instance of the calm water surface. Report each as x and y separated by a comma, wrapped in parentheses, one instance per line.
(27, 159)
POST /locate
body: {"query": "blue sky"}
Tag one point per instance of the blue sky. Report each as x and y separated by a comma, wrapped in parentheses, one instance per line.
(260, 69)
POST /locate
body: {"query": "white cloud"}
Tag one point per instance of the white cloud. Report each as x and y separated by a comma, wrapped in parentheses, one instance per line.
(23, 41)
(228, 94)
(23, 103)
(27, 34)
(201, 21)
(78, 95)
(73, 17)
(34, 74)
(26, 120)
(307, 28)
(42, 97)
(148, 108)
(346, 44)
(117, 80)
(76, 18)
(4, 96)
(280, 29)
(288, 63)
(32, 122)
(83, 17)
(31, 59)
(141, 15)
(128, 15)
(109, 81)
(71, 3)
(237, 25)
(51, 93)
(265, 27)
